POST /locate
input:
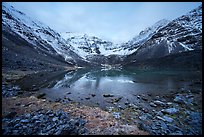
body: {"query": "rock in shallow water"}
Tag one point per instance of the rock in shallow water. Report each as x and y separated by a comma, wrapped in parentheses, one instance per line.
(127, 103)
(108, 95)
(87, 98)
(40, 95)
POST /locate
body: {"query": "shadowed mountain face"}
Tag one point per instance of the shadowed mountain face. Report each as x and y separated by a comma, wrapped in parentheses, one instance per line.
(18, 54)
(29, 44)
(185, 60)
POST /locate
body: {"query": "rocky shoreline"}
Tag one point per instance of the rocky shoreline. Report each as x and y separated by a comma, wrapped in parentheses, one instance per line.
(176, 114)
(32, 116)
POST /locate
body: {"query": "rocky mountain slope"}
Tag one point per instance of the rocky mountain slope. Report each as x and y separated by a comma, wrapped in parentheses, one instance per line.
(180, 35)
(18, 54)
(40, 38)
(143, 36)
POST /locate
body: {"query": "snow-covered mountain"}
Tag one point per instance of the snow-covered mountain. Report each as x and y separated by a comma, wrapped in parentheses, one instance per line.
(86, 45)
(161, 39)
(144, 35)
(96, 50)
(180, 35)
(42, 37)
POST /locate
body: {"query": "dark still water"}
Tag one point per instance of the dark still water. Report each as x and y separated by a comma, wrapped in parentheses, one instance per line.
(100, 87)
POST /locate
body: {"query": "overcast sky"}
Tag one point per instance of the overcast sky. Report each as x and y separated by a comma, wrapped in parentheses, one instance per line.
(113, 21)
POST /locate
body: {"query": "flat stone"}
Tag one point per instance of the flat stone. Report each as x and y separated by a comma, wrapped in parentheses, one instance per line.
(157, 102)
(35, 118)
(169, 103)
(48, 112)
(145, 117)
(152, 104)
(168, 119)
(179, 99)
(170, 110)
(160, 113)
(160, 118)
(55, 119)
(24, 121)
(176, 133)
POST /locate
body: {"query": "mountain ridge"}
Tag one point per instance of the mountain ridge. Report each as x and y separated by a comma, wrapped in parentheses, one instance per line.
(163, 38)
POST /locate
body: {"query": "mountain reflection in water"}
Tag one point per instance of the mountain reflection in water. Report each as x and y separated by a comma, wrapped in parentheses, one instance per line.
(87, 86)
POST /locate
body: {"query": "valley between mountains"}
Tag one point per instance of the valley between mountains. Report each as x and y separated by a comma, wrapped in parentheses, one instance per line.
(62, 83)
